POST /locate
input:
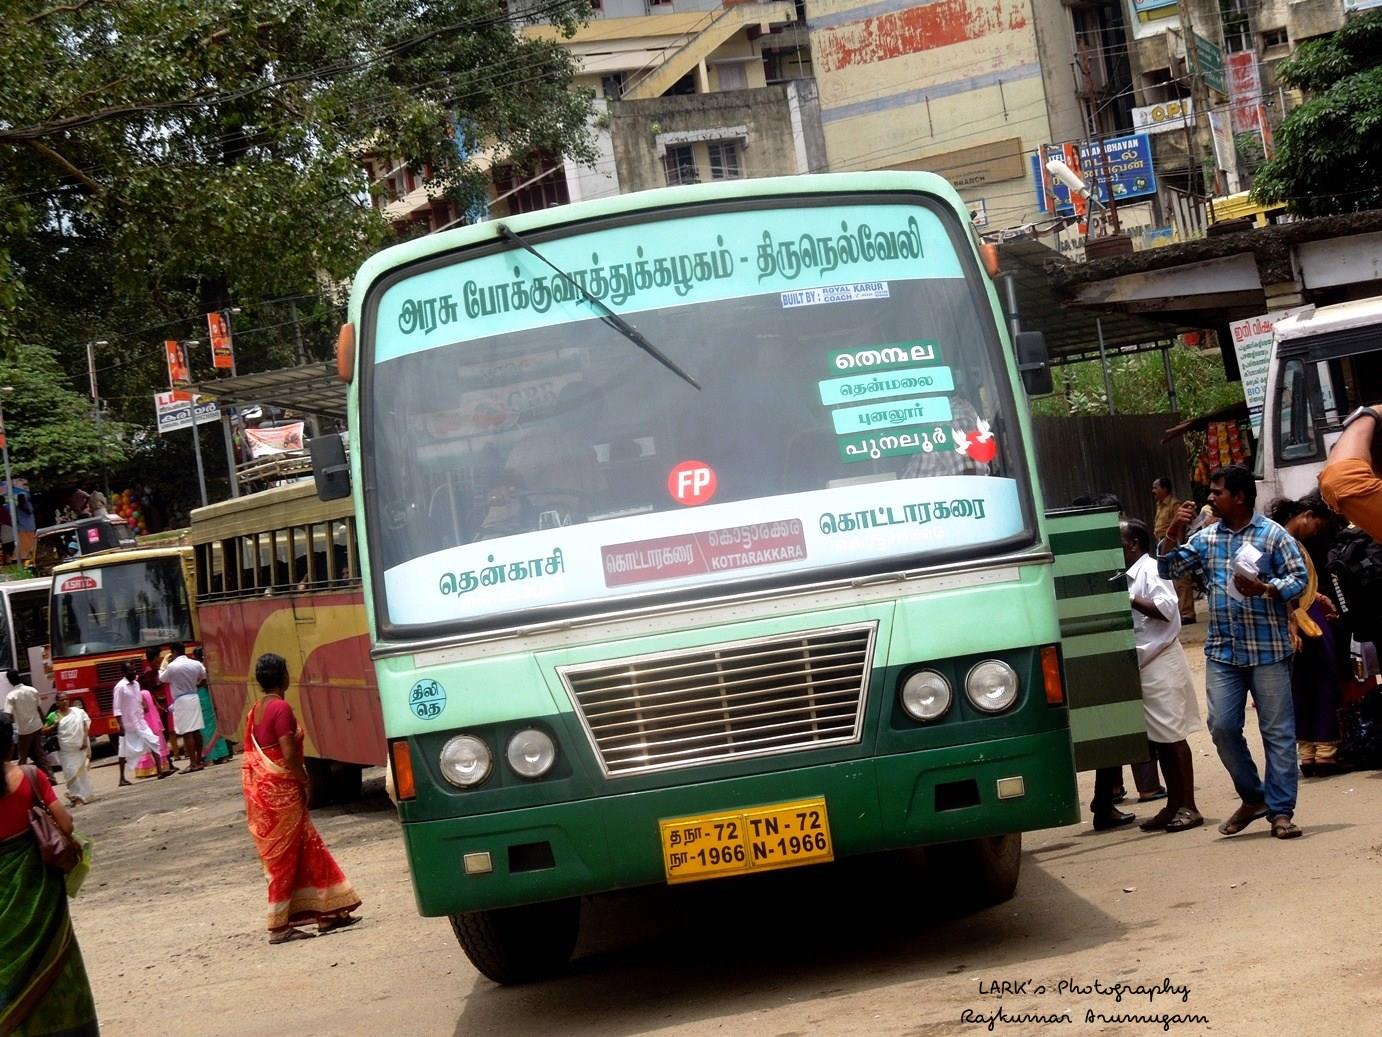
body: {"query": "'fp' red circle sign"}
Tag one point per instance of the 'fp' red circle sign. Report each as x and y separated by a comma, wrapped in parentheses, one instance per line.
(691, 483)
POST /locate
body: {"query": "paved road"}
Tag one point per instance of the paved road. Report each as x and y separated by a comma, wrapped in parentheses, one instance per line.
(1264, 936)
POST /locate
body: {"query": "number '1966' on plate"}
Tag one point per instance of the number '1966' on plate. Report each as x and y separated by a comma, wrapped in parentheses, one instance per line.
(784, 835)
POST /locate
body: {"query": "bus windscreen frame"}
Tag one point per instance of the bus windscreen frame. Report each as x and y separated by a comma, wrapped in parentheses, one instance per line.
(1014, 445)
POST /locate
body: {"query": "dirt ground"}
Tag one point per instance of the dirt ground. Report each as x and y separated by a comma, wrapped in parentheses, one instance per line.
(1243, 936)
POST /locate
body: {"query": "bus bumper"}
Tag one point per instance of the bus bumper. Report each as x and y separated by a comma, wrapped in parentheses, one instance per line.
(612, 842)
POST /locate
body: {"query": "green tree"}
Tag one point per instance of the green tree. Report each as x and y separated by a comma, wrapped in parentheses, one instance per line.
(1139, 385)
(52, 437)
(165, 158)
(1329, 151)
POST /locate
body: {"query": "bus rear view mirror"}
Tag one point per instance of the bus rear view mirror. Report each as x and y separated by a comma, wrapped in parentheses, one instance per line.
(330, 470)
(1034, 362)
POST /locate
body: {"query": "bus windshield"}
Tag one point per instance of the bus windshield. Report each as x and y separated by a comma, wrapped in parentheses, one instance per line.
(854, 412)
(115, 607)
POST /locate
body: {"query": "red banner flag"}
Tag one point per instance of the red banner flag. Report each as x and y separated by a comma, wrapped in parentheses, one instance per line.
(179, 375)
(222, 352)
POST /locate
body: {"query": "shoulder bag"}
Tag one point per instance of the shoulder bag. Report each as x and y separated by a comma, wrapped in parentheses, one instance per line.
(57, 850)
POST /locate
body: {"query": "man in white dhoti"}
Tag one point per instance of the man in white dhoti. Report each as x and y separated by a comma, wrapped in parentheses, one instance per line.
(74, 749)
(136, 737)
(184, 675)
(1168, 690)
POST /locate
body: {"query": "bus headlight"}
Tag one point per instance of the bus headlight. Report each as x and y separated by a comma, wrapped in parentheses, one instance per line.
(991, 686)
(926, 695)
(531, 753)
(465, 761)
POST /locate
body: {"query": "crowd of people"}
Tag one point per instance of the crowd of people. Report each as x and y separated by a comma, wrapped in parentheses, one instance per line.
(1292, 596)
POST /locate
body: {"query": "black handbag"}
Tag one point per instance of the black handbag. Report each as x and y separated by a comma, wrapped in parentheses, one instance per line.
(58, 850)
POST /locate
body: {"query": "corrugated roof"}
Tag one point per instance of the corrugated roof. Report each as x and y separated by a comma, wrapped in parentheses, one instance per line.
(312, 389)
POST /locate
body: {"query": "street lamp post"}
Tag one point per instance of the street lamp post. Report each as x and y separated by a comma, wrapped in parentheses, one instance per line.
(96, 403)
(196, 437)
(10, 498)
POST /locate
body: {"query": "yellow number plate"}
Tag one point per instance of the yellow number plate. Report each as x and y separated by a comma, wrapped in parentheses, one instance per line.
(706, 846)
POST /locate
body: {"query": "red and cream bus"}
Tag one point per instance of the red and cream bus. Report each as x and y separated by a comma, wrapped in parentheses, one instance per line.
(278, 571)
(108, 609)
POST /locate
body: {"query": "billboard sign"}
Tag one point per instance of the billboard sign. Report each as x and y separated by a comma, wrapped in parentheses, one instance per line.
(222, 352)
(175, 410)
(1125, 167)
(179, 375)
(1163, 117)
(1245, 90)
(1210, 61)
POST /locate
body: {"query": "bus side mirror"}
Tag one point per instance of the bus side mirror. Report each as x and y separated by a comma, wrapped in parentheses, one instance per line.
(330, 470)
(1034, 362)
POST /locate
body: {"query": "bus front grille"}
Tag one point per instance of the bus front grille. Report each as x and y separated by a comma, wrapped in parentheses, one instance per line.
(724, 702)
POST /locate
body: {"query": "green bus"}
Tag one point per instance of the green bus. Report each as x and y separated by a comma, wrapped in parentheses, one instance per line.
(702, 539)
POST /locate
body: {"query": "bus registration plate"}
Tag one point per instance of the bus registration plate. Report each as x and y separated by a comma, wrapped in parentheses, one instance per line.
(706, 846)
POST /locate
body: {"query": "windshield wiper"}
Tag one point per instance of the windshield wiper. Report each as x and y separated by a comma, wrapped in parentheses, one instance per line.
(610, 318)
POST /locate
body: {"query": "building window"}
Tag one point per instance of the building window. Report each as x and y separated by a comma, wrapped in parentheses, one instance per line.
(521, 189)
(725, 163)
(612, 86)
(681, 166)
(1233, 14)
(1274, 38)
(731, 76)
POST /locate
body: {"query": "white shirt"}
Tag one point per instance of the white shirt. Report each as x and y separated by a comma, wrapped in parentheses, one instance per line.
(182, 675)
(127, 700)
(22, 704)
(1152, 636)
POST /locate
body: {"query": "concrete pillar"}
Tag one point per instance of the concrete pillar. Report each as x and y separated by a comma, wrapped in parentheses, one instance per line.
(1284, 295)
(702, 77)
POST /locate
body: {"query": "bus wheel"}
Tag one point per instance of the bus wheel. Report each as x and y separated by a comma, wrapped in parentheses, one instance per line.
(982, 871)
(520, 944)
(346, 780)
(321, 793)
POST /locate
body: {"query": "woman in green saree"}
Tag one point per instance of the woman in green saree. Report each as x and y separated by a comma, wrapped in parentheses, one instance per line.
(44, 991)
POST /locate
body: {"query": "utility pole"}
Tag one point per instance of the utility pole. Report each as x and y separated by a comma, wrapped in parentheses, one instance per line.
(10, 497)
(1084, 62)
(96, 404)
(197, 440)
(1198, 100)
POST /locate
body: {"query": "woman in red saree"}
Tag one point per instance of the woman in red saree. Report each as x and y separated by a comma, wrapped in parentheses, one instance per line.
(305, 882)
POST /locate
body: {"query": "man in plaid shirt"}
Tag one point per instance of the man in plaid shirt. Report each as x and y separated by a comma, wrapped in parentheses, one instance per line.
(1248, 647)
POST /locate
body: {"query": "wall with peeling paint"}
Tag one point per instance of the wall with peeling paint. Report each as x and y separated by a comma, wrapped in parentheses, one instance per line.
(904, 80)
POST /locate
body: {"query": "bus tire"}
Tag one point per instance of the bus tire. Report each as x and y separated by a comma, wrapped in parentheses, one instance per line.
(520, 944)
(983, 872)
(346, 781)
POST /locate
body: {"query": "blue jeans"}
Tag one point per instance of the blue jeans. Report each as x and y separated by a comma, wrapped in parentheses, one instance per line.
(1226, 688)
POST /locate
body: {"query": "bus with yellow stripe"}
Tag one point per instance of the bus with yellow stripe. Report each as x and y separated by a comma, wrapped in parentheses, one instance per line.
(278, 571)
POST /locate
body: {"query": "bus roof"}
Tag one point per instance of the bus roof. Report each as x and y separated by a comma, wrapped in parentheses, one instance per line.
(1320, 320)
(108, 558)
(32, 584)
(293, 504)
(661, 199)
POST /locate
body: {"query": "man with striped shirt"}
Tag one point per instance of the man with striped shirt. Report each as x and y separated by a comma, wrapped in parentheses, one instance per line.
(1248, 647)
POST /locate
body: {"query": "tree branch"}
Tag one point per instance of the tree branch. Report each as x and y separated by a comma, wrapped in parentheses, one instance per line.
(57, 9)
(52, 156)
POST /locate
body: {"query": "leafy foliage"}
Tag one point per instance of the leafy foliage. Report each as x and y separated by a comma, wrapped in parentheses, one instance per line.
(1329, 151)
(1139, 385)
(52, 437)
(165, 158)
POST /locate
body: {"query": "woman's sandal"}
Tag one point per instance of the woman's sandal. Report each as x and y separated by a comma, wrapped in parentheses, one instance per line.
(288, 935)
(327, 925)
(1284, 828)
(1185, 820)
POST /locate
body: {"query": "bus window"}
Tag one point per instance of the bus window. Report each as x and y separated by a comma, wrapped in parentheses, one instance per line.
(1295, 427)
(29, 612)
(203, 570)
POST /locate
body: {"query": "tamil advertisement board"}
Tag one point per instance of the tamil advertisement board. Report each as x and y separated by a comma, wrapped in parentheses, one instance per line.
(175, 410)
(179, 374)
(1245, 91)
(1252, 344)
(1121, 170)
(1164, 117)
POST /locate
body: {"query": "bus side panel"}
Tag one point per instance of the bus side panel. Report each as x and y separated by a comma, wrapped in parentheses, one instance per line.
(230, 669)
(337, 689)
(1102, 681)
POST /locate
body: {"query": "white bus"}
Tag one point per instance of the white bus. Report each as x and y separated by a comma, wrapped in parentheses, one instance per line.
(1326, 362)
(24, 638)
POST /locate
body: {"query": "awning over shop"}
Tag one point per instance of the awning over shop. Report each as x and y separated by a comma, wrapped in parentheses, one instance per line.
(312, 389)
(1232, 412)
(1072, 333)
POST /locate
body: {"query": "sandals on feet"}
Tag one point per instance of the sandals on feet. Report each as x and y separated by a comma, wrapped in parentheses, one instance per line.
(1159, 821)
(1185, 820)
(288, 935)
(1150, 797)
(1284, 828)
(327, 925)
(1242, 817)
